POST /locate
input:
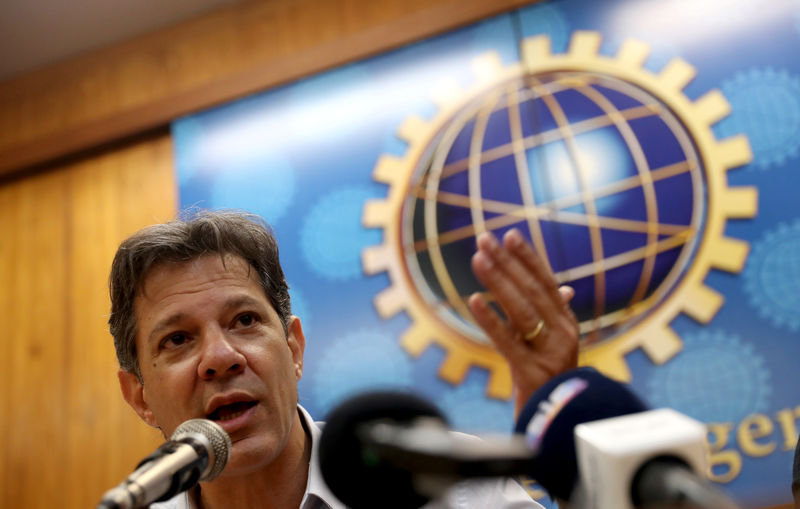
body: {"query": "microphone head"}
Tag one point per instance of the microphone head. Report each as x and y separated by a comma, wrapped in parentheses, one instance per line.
(357, 477)
(216, 442)
(549, 418)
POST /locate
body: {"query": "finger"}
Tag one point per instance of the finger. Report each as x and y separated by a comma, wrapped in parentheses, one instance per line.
(516, 244)
(511, 284)
(556, 298)
(496, 329)
(521, 291)
(566, 293)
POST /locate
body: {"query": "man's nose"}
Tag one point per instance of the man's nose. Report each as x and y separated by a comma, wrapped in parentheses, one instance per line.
(220, 357)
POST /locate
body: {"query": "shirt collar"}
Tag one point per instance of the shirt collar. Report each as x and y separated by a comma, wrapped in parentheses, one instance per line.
(317, 493)
(316, 487)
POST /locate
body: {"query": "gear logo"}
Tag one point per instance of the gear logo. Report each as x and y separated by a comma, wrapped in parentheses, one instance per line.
(611, 171)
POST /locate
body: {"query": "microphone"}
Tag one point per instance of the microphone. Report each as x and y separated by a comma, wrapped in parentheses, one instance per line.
(549, 418)
(598, 446)
(197, 451)
(392, 442)
(585, 438)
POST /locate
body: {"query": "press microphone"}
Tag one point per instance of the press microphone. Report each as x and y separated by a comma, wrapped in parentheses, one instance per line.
(395, 443)
(197, 451)
(598, 446)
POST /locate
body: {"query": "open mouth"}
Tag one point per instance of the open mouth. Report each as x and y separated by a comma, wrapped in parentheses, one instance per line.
(232, 411)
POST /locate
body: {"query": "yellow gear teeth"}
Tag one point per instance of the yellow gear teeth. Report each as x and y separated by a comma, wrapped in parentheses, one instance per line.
(666, 345)
(653, 332)
(376, 213)
(584, 44)
(633, 54)
(533, 49)
(414, 341)
(740, 202)
(676, 75)
(729, 254)
(613, 364)
(375, 259)
(487, 67)
(389, 302)
(446, 93)
(455, 367)
(733, 152)
(702, 303)
(388, 169)
(412, 125)
(712, 107)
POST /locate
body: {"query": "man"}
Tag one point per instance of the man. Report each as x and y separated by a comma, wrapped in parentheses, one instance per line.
(202, 326)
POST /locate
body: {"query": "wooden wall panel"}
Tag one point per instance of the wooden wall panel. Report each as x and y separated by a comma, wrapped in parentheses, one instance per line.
(68, 435)
(34, 320)
(251, 46)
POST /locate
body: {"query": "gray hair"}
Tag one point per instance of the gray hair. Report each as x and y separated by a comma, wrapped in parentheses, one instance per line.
(183, 240)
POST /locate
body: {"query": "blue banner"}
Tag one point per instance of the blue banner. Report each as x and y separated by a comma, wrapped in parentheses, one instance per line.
(646, 148)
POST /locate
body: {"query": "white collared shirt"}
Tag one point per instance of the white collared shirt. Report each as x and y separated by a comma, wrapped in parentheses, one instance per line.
(474, 494)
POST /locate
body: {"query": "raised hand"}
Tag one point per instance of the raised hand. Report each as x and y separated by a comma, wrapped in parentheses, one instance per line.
(539, 333)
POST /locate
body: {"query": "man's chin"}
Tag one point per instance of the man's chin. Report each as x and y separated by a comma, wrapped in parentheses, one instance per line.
(248, 455)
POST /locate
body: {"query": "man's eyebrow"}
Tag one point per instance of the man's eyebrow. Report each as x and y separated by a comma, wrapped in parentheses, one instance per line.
(164, 324)
(242, 301)
(232, 303)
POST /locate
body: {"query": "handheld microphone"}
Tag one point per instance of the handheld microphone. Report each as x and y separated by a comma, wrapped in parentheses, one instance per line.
(397, 443)
(549, 418)
(599, 447)
(197, 451)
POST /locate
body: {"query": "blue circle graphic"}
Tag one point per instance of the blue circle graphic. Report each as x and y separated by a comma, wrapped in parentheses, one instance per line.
(332, 238)
(766, 106)
(716, 378)
(468, 409)
(772, 276)
(361, 361)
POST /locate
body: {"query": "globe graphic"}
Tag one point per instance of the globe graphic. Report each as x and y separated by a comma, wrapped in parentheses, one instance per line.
(599, 175)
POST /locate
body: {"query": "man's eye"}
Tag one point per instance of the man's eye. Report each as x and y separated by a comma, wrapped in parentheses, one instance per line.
(246, 319)
(174, 340)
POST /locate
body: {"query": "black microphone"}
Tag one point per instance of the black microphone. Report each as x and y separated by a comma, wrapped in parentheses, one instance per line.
(396, 443)
(197, 451)
(597, 445)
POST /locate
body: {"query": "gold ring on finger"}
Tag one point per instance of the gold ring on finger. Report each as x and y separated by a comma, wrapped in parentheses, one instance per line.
(530, 336)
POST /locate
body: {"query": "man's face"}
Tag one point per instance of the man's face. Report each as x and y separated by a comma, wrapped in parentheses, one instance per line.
(211, 345)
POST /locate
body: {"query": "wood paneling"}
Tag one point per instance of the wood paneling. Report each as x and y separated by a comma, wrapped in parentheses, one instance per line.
(67, 433)
(215, 58)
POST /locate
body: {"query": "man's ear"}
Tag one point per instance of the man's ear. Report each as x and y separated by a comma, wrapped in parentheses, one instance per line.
(133, 392)
(297, 345)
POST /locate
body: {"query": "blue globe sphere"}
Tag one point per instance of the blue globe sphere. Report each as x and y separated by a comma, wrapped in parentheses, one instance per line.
(601, 177)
